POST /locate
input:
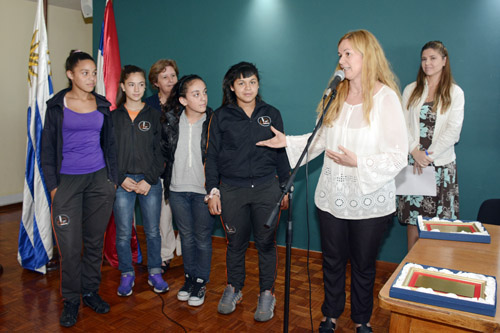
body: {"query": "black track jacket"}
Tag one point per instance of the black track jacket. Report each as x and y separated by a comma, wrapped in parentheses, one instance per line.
(232, 155)
(138, 143)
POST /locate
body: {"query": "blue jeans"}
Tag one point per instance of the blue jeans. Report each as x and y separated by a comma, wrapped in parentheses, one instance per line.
(195, 225)
(124, 214)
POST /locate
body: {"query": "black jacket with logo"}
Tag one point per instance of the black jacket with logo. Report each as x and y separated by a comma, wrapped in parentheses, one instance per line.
(138, 143)
(232, 155)
(169, 140)
(52, 139)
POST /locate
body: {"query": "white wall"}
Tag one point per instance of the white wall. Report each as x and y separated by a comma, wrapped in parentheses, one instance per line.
(66, 30)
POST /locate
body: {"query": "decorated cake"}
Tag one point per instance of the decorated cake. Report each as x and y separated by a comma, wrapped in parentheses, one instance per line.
(466, 231)
(447, 288)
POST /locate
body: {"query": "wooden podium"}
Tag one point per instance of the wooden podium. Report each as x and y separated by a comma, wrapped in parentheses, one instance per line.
(415, 317)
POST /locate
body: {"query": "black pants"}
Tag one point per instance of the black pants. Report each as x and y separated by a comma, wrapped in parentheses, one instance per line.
(243, 210)
(359, 241)
(80, 214)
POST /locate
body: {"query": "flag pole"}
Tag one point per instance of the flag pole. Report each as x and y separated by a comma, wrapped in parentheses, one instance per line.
(45, 6)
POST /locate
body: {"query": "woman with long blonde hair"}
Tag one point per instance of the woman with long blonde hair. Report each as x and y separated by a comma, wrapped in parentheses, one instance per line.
(434, 112)
(365, 142)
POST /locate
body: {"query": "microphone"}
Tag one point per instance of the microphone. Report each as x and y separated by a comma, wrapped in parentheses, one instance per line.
(338, 77)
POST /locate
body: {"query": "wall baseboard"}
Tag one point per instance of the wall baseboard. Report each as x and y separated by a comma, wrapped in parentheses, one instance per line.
(384, 265)
(11, 199)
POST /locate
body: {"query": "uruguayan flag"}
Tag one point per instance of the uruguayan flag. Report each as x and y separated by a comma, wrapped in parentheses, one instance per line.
(35, 232)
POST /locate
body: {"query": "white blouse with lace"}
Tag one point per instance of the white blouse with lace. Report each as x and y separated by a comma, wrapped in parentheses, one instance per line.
(381, 147)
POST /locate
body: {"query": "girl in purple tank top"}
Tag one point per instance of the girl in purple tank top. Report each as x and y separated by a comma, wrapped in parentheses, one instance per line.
(79, 165)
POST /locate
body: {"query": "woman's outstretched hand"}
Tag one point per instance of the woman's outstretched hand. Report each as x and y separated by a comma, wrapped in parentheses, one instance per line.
(278, 141)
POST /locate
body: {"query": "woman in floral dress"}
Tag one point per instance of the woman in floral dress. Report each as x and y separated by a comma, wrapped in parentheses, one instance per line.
(434, 112)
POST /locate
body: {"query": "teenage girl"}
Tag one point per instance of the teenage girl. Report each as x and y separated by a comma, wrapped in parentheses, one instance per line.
(79, 165)
(242, 183)
(184, 141)
(140, 164)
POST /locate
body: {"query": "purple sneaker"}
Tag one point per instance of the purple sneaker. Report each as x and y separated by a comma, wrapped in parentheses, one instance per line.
(126, 284)
(156, 281)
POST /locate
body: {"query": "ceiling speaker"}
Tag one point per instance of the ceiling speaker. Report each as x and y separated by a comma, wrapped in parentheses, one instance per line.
(86, 8)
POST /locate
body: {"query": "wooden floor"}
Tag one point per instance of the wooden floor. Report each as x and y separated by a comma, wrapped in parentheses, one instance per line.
(31, 302)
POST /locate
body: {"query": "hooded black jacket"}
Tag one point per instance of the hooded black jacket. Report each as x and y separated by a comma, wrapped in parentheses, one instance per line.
(169, 139)
(52, 139)
(232, 155)
(138, 144)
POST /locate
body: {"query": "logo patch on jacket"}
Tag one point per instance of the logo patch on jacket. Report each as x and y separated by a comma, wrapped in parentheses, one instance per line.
(62, 220)
(144, 126)
(264, 121)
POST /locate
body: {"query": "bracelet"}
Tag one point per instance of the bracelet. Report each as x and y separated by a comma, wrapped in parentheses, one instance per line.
(214, 191)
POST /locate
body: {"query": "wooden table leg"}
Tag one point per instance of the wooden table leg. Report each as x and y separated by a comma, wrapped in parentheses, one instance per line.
(400, 323)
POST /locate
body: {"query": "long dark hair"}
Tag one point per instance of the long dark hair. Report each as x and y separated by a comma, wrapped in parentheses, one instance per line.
(240, 70)
(179, 90)
(121, 98)
(75, 56)
(442, 98)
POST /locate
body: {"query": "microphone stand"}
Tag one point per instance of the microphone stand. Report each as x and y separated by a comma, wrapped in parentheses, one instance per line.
(288, 189)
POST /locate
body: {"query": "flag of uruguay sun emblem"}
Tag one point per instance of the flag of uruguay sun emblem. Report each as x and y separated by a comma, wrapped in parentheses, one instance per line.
(34, 56)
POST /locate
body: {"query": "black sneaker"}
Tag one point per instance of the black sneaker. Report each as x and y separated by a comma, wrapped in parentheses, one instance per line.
(164, 266)
(327, 326)
(95, 302)
(198, 293)
(364, 328)
(184, 293)
(69, 314)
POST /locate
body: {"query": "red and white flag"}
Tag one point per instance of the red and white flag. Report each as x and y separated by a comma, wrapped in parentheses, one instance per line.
(108, 58)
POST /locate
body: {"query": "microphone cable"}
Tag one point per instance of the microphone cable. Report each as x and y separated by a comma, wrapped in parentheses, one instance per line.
(308, 241)
(166, 316)
(309, 231)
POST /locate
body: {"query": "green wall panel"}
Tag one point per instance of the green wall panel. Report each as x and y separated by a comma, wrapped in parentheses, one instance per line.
(294, 44)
